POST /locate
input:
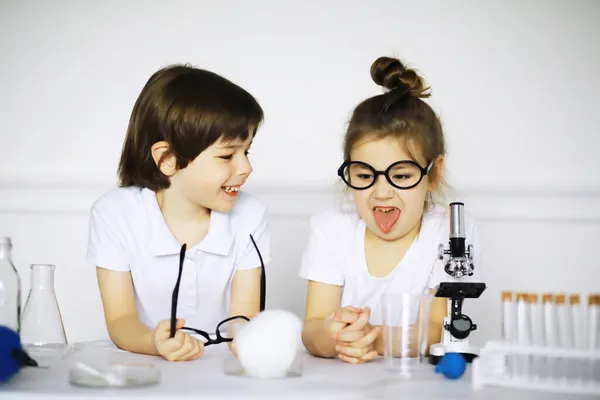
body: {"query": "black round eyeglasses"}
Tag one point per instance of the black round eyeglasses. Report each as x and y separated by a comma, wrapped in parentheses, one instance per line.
(223, 326)
(405, 174)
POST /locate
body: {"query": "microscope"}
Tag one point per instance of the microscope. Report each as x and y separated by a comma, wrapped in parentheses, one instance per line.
(459, 263)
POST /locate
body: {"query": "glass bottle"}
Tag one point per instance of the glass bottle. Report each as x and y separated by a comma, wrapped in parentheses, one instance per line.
(42, 324)
(10, 288)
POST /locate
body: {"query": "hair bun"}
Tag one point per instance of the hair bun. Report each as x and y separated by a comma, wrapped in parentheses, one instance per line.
(391, 74)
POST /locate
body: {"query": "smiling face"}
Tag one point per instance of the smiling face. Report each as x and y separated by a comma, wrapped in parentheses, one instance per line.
(391, 213)
(213, 178)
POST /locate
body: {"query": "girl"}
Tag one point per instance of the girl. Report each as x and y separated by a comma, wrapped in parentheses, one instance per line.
(387, 239)
(184, 160)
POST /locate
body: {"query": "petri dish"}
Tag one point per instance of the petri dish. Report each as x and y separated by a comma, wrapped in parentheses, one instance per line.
(115, 375)
(48, 355)
(233, 367)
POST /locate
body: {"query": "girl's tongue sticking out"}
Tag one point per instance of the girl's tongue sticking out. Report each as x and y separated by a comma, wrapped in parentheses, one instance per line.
(386, 217)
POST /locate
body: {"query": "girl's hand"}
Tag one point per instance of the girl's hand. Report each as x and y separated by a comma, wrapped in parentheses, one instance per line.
(337, 320)
(355, 342)
(181, 347)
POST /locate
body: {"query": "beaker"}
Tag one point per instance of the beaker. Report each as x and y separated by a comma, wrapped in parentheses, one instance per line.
(42, 329)
(405, 330)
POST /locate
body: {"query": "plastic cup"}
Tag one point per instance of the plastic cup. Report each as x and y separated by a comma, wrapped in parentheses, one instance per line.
(405, 328)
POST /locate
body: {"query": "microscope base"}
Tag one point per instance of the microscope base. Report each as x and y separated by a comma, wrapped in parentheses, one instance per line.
(437, 351)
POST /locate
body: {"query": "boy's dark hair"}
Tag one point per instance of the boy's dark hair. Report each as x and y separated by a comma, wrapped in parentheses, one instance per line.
(190, 109)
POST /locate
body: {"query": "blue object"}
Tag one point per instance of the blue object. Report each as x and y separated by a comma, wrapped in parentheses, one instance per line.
(452, 365)
(12, 355)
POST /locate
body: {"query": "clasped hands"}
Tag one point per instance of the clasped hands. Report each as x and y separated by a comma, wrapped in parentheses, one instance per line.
(354, 337)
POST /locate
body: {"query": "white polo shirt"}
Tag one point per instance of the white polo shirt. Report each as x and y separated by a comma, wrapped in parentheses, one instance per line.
(335, 254)
(128, 232)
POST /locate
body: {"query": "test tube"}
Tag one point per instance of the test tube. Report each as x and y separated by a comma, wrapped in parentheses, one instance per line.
(593, 334)
(577, 332)
(594, 321)
(578, 329)
(537, 332)
(523, 333)
(565, 337)
(508, 317)
(550, 333)
(509, 326)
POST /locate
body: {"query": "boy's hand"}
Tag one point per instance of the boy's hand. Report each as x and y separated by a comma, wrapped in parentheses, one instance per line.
(181, 347)
(355, 342)
(233, 348)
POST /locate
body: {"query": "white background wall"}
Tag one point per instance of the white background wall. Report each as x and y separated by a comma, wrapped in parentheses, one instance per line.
(516, 84)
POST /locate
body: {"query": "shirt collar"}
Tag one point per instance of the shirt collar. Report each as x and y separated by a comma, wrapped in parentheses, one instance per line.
(218, 240)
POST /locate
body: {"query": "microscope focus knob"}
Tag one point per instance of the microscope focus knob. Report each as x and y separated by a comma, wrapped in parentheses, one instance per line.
(441, 251)
(471, 251)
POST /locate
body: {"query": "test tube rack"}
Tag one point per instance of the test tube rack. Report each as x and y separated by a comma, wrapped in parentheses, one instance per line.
(490, 368)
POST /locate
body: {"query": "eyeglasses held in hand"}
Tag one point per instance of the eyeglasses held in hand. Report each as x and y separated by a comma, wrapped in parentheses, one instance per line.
(220, 338)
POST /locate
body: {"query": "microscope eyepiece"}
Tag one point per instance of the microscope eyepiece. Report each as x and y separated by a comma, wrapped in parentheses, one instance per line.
(460, 261)
(457, 220)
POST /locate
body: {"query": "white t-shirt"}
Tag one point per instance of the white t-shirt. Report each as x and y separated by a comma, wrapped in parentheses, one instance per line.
(335, 254)
(128, 232)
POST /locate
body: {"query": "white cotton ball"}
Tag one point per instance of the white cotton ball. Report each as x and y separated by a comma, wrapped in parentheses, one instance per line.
(267, 345)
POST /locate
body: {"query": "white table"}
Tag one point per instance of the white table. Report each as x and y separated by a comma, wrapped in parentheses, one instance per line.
(204, 379)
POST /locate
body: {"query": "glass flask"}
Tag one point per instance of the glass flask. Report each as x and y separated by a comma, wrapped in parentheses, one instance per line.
(10, 288)
(42, 329)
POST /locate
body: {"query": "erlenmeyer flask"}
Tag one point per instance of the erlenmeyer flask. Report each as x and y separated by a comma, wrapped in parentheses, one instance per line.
(42, 327)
